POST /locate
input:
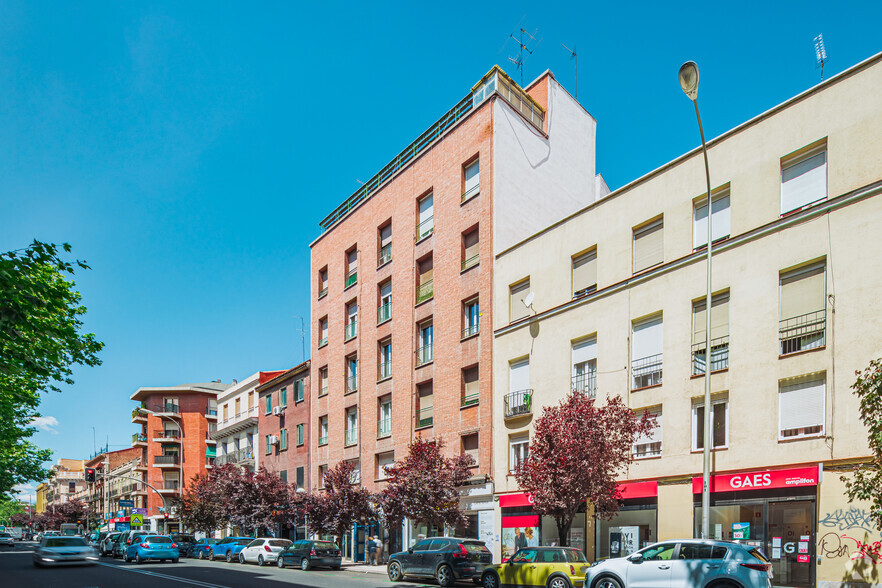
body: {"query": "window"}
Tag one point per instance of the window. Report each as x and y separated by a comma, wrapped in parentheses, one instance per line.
(470, 249)
(385, 367)
(226, 411)
(518, 309)
(719, 333)
(323, 470)
(269, 445)
(585, 366)
(585, 273)
(384, 311)
(299, 435)
(385, 252)
(425, 289)
(470, 447)
(283, 397)
(801, 406)
(351, 373)
(351, 425)
(425, 412)
(470, 386)
(426, 343)
(212, 405)
(170, 404)
(250, 400)
(323, 283)
(384, 424)
(471, 180)
(649, 245)
(720, 220)
(425, 224)
(238, 404)
(719, 424)
(649, 445)
(323, 380)
(646, 351)
(298, 390)
(384, 460)
(355, 476)
(518, 451)
(351, 267)
(519, 399)
(803, 309)
(269, 403)
(283, 475)
(323, 332)
(471, 315)
(804, 178)
(351, 320)
(301, 478)
(323, 430)
(283, 439)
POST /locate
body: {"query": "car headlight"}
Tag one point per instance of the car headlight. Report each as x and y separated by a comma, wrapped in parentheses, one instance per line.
(594, 563)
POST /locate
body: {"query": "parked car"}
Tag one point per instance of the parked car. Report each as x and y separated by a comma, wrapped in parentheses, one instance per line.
(686, 562)
(308, 554)
(147, 547)
(553, 567)
(105, 547)
(184, 543)
(6, 540)
(125, 540)
(55, 550)
(447, 559)
(263, 550)
(229, 548)
(201, 548)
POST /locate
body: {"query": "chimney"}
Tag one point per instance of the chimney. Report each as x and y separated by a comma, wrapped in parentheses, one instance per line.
(235, 381)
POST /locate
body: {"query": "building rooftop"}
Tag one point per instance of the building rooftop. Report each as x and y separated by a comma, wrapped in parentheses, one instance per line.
(203, 387)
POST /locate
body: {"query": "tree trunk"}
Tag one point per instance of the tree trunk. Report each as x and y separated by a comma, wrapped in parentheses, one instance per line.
(563, 530)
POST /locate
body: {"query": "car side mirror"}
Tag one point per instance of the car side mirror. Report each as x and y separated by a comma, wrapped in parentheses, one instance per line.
(410, 549)
(635, 558)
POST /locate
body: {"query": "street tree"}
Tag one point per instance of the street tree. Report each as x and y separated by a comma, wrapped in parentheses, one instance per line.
(41, 339)
(252, 502)
(341, 503)
(576, 452)
(866, 481)
(20, 519)
(201, 506)
(10, 508)
(423, 486)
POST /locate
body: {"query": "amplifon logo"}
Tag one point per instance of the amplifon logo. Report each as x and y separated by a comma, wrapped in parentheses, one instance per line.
(751, 481)
(762, 480)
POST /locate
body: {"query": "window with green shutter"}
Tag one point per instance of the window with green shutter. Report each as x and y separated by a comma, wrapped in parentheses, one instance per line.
(283, 442)
(299, 434)
(269, 403)
(298, 391)
(283, 397)
(268, 445)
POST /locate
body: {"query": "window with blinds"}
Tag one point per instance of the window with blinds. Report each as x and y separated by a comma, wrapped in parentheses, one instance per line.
(470, 386)
(470, 244)
(471, 180)
(519, 375)
(584, 377)
(801, 406)
(471, 447)
(425, 409)
(647, 342)
(804, 179)
(426, 223)
(719, 425)
(585, 273)
(384, 460)
(425, 289)
(803, 322)
(649, 445)
(648, 245)
(517, 293)
(719, 333)
(385, 251)
(720, 219)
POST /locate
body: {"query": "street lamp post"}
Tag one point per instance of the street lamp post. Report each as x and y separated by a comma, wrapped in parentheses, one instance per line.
(688, 77)
(180, 424)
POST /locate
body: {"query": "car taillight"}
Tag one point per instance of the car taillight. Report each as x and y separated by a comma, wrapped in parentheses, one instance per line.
(462, 551)
(761, 567)
(572, 570)
(267, 547)
(312, 552)
(145, 545)
(174, 545)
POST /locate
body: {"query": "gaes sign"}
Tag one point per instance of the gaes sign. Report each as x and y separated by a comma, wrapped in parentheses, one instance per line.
(760, 480)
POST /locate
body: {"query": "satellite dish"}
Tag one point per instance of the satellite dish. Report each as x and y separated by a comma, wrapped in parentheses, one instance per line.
(528, 301)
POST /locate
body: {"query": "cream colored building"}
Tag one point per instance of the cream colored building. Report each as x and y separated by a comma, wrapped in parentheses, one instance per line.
(617, 310)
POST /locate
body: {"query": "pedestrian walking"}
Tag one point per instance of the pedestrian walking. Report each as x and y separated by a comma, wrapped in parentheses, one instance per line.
(372, 550)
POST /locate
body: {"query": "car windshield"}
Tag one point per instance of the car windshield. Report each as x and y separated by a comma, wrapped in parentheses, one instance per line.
(158, 539)
(324, 545)
(243, 541)
(474, 546)
(759, 555)
(576, 556)
(65, 542)
(208, 541)
(183, 538)
(279, 543)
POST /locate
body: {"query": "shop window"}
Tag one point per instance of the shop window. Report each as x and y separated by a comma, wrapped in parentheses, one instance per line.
(631, 528)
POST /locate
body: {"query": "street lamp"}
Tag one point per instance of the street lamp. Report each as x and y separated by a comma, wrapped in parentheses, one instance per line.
(180, 424)
(688, 77)
(302, 493)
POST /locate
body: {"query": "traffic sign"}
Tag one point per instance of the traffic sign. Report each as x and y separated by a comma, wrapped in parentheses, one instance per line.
(142, 511)
(137, 520)
(126, 503)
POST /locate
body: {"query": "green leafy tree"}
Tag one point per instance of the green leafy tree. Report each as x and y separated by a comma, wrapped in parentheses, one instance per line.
(9, 508)
(866, 483)
(40, 340)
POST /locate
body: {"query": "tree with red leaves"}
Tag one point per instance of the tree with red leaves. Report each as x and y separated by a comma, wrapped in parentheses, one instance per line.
(424, 486)
(251, 501)
(576, 453)
(343, 502)
(201, 506)
(72, 511)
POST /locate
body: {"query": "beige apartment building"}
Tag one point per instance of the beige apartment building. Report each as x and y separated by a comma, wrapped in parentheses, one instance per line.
(616, 308)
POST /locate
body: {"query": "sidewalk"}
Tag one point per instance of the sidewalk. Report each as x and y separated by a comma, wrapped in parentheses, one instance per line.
(363, 568)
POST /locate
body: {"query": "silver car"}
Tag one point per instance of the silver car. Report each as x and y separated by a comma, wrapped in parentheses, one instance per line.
(697, 563)
(55, 551)
(7, 540)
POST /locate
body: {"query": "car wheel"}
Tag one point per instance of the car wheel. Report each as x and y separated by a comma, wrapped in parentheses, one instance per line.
(608, 583)
(176, 560)
(394, 571)
(241, 557)
(304, 564)
(211, 554)
(490, 580)
(260, 561)
(280, 562)
(445, 576)
(725, 585)
(558, 582)
(138, 559)
(229, 557)
(335, 567)
(199, 555)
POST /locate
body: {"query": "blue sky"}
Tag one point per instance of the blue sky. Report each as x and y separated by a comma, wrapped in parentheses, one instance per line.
(188, 150)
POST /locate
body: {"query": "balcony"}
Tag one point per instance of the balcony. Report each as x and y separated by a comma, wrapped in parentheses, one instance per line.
(647, 371)
(425, 417)
(323, 440)
(518, 404)
(424, 291)
(323, 341)
(351, 278)
(323, 292)
(351, 331)
(719, 356)
(323, 391)
(585, 383)
(384, 370)
(139, 439)
(384, 313)
(170, 486)
(211, 413)
(384, 427)
(385, 255)
(351, 383)
(470, 331)
(138, 416)
(163, 408)
(166, 461)
(167, 435)
(424, 355)
(425, 228)
(351, 437)
(801, 333)
(241, 456)
(239, 422)
(469, 399)
(470, 262)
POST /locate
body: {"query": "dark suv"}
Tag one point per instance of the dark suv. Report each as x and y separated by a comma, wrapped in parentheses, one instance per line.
(184, 542)
(447, 559)
(307, 554)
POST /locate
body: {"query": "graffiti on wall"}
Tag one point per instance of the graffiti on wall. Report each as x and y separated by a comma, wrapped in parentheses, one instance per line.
(853, 518)
(854, 540)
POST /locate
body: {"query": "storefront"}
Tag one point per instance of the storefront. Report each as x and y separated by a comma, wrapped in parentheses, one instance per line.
(633, 527)
(521, 527)
(773, 510)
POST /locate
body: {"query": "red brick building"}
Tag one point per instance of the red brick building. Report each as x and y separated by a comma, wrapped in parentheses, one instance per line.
(402, 280)
(106, 492)
(176, 424)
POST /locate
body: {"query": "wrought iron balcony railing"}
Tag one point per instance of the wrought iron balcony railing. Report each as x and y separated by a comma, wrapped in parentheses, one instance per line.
(384, 313)
(351, 330)
(470, 330)
(719, 355)
(384, 370)
(351, 383)
(800, 333)
(351, 278)
(385, 254)
(469, 399)
(647, 371)
(586, 383)
(470, 262)
(424, 292)
(166, 460)
(425, 417)
(384, 427)
(518, 404)
(425, 228)
(424, 355)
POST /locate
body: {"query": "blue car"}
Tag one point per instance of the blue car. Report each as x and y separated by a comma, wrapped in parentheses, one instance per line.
(201, 548)
(144, 548)
(229, 548)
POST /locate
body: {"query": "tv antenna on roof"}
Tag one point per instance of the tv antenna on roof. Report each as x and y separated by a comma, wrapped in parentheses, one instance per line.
(820, 54)
(519, 62)
(576, 58)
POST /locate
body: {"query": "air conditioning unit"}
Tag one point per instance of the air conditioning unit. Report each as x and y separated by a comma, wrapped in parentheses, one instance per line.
(277, 410)
(274, 439)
